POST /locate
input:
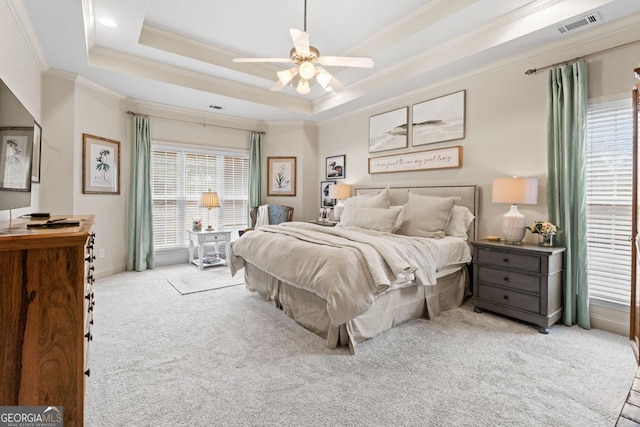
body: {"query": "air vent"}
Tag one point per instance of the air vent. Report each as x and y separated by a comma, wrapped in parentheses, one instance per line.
(215, 107)
(591, 19)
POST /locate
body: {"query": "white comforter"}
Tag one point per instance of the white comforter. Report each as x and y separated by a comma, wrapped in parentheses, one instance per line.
(348, 268)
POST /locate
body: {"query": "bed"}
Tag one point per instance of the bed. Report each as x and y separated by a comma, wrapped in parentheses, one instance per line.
(352, 282)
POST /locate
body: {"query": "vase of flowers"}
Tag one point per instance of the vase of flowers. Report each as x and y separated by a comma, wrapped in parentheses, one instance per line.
(545, 232)
(196, 224)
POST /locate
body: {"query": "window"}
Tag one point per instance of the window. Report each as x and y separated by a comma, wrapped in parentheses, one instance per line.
(609, 182)
(180, 174)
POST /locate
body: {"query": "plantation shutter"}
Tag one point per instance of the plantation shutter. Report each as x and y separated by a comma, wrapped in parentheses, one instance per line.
(179, 175)
(609, 204)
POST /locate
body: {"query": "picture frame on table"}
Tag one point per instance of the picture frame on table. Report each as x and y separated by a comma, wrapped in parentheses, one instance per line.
(336, 167)
(100, 165)
(281, 176)
(325, 214)
(35, 155)
(388, 131)
(325, 201)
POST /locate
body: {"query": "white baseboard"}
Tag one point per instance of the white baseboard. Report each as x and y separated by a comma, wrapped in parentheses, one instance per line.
(610, 320)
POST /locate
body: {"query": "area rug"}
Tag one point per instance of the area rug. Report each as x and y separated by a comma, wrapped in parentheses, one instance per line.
(204, 280)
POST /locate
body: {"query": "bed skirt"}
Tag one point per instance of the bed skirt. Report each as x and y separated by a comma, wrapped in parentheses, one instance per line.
(389, 310)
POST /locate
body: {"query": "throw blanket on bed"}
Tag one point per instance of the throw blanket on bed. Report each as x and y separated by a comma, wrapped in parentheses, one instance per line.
(346, 267)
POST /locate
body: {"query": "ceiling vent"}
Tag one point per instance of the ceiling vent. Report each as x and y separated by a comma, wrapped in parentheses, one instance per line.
(591, 19)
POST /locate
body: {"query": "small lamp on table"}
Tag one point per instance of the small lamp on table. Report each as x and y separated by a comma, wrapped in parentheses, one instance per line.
(514, 190)
(339, 192)
(209, 199)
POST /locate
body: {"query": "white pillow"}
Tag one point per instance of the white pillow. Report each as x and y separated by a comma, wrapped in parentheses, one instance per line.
(427, 216)
(374, 200)
(378, 219)
(398, 223)
(459, 222)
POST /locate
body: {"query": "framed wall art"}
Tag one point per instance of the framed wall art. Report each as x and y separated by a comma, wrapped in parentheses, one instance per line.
(37, 148)
(100, 165)
(281, 176)
(325, 201)
(336, 167)
(438, 120)
(388, 131)
(442, 158)
(15, 158)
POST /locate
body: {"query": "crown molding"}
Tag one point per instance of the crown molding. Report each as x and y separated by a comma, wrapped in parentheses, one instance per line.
(21, 17)
(77, 79)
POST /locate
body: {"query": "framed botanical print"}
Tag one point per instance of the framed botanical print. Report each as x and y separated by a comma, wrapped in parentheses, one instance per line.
(281, 176)
(100, 165)
(325, 201)
(336, 167)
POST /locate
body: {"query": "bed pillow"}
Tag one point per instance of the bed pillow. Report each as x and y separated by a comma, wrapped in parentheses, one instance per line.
(378, 219)
(459, 222)
(398, 223)
(427, 216)
(374, 200)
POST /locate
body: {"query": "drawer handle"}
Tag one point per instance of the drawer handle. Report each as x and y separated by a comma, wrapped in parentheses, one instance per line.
(506, 279)
(506, 297)
(506, 260)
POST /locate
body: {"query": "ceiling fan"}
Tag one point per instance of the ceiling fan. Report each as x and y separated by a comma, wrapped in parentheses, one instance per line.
(309, 63)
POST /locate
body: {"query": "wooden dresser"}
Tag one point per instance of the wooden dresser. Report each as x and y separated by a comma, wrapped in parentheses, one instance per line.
(520, 281)
(46, 312)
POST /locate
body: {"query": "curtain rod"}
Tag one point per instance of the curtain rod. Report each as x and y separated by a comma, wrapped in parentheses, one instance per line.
(198, 123)
(535, 70)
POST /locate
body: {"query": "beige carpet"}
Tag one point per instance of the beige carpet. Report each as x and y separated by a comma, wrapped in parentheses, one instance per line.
(189, 280)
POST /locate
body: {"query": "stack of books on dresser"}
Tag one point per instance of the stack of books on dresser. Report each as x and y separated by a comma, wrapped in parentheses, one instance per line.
(212, 258)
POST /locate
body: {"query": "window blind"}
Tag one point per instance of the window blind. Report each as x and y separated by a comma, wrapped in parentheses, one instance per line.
(609, 203)
(179, 175)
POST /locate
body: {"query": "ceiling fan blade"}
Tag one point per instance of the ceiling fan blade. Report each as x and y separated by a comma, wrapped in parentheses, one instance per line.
(261, 59)
(285, 76)
(327, 81)
(300, 41)
(346, 61)
(278, 86)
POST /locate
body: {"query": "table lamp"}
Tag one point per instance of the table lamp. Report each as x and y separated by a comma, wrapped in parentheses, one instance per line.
(209, 200)
(339, 192)
(514, 190)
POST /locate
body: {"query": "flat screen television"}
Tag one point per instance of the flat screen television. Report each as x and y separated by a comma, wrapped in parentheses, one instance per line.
(16, 150)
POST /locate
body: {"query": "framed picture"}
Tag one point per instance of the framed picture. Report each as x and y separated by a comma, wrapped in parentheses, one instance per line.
(100, 165)
(15, 158)
(438, 120)
(336, 167)
(325, 214)
(281, 176)
(388, 131)
(35, 156)
(442, 158)
(325, 201)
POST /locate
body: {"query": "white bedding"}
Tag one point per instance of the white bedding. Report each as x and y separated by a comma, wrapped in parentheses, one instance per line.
(453, 253)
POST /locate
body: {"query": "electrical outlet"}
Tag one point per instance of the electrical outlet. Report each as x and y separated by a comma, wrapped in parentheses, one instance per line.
(101, 255)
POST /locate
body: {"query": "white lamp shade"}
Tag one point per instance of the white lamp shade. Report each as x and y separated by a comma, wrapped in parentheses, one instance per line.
(515, 190)
(339, 191)
(209, 199)
(303, 87)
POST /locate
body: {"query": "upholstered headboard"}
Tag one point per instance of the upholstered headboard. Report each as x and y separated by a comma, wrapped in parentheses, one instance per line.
(469, 197)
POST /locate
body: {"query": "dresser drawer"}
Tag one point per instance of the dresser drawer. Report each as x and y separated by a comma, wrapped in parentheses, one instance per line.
(509, 279)
(509, 298)
(505, 259)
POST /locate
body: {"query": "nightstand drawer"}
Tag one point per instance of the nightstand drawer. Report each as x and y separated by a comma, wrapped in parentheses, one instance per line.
(509, 298)
(505, 259)
(509, 279)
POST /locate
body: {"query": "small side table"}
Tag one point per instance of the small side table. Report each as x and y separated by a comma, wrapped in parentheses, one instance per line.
(208, 237)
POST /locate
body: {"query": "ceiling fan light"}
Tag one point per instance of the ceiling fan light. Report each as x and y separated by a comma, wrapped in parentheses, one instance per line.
(303, 87)
(285, 76)
(307, 70)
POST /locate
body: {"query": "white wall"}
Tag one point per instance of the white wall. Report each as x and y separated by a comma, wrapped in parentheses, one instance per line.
(20, 70)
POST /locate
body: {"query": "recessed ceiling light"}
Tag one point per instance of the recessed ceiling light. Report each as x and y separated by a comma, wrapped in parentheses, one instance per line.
(107, 22)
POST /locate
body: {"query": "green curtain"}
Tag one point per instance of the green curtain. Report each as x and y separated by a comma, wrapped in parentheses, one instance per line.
(566, 194)
(255, 173)
(141, 255)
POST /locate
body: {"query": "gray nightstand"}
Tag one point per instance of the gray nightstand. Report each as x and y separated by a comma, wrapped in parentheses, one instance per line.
(520, 281)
